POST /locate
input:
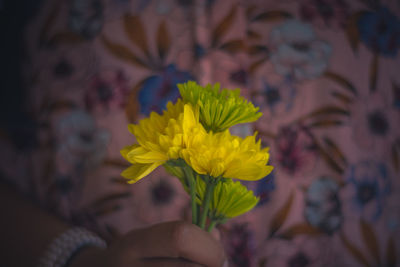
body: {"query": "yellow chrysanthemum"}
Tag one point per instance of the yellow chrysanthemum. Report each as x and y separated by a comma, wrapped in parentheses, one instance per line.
(219, 109)
(160, 138)
(224, 155)
(230, 199)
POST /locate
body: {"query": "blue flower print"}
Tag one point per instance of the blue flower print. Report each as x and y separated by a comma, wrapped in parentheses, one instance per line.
(323, 207)
(86, 17)
(297, 52)
(264, 188)
(380, 31)
(371, 185)
(159, 89)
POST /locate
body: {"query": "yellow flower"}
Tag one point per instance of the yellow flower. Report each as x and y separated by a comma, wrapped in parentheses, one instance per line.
(161, 138)
(224, 155)
(230, 199)
(219, 109)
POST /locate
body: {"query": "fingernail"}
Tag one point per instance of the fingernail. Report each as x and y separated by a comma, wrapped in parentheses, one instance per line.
(226, 263)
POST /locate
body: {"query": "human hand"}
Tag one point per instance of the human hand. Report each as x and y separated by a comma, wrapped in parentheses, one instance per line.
(172, 244)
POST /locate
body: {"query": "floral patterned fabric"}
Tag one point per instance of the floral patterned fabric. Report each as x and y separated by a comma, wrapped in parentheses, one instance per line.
(325, 74)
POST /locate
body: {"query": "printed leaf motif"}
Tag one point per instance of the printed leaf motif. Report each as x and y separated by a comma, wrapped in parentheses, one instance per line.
(103, 211)
(354, 251)
(119, 180)
(280, 217)
(53, 14)
(373, 73)
(253, 35)
(391, 259)
(249, 10)
(122, 52)
(271, 16)
(108, 198)
(255, 65)
(60, 105)
(136, 33)
(66, 38)
(234, 46)
(258, 49)
(334, 150)
(132, 105)
(262, 262)
(325, 123)
(299, 229)
(327, 110)
(370, 240)
(341, 80)
(163, 40)
(119, 163)
(396, 95)
(352, 33)
(223, 26)
(342, 97)
(395, 158)
(329, 160)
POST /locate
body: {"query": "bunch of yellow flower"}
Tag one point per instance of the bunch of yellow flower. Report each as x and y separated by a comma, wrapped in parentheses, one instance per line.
(191, 139)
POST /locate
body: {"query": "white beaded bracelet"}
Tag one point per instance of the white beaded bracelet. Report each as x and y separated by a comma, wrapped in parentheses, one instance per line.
(67, 244)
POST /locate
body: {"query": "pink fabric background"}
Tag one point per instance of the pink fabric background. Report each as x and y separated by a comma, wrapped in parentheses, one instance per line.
(325, 73)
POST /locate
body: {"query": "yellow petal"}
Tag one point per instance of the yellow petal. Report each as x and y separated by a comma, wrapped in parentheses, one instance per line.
(137, 171)
(126, 150)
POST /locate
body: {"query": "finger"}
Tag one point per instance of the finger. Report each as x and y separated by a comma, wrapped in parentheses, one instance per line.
(177, 240)
(216, 234)
(168, 262)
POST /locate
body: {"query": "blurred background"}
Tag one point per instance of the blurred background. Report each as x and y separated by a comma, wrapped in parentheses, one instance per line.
(325, 74)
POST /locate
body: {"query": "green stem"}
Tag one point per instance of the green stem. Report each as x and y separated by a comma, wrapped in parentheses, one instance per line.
(192, 189)
(206, 202)
(211, 226)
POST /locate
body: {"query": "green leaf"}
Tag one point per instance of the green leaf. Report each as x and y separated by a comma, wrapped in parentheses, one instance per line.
(373, 73)
(135, 31)
(223, 26)
(391, 258)
(122, 52)
(272, 16)
(341, 80)
(370, 240)
(234, 46)
(300, 229)
(354, 251)
(163, 40)
(281, 215)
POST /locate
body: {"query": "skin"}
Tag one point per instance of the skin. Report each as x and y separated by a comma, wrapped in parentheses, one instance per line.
(27, 230)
